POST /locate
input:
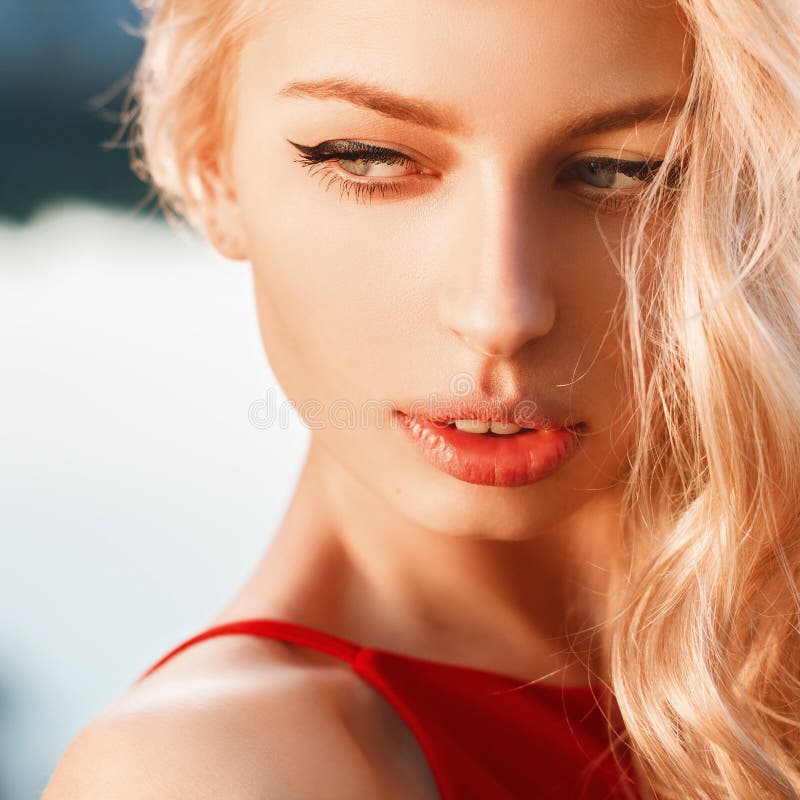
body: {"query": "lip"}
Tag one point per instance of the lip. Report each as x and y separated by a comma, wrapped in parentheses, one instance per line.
(509, 460)
(485, 409)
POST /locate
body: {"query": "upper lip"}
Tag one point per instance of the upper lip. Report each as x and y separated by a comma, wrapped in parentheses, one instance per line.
(521, 411)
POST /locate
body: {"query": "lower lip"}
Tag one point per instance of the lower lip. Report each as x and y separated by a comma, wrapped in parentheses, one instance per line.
(516, 459)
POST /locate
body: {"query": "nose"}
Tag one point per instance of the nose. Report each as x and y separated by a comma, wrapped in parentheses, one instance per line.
(496, 296)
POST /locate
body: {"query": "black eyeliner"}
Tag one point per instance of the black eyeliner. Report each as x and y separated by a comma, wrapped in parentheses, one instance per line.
(346, 147)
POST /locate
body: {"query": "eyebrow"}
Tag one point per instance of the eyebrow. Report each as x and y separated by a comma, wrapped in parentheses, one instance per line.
(430, 115)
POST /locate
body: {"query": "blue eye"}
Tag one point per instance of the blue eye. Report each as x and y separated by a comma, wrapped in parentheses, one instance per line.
(614, 184)
(609, 182)
(353, 158)
(602, 172)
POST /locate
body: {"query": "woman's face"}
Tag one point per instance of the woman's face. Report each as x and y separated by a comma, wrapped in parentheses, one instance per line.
(478, 257)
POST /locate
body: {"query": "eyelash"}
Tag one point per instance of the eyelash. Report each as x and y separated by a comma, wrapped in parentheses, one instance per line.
(346, 150)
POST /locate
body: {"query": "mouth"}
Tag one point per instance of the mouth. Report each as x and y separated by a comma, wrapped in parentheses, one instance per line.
(492, 427)
(483, 414)
(492, 452)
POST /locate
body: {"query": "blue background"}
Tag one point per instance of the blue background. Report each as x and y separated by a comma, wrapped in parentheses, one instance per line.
(55, 57)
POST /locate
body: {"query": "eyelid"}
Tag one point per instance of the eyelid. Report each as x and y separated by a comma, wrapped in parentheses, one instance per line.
(609, 153)
(343, 143)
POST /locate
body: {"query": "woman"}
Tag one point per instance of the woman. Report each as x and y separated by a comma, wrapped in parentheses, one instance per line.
(539, 305)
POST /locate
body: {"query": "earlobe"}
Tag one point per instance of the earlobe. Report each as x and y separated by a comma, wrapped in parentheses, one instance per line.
(222, 219)
(226, 243)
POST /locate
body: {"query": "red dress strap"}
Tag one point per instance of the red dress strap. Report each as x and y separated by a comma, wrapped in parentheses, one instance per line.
(273, 629)
(483, 734)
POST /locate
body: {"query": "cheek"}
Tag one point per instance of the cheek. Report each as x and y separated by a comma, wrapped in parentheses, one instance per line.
(591, 314)
(331, 303)
(585, 278)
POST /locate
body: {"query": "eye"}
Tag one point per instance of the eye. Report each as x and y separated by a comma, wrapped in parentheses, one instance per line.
(339, 158)
(614, 183)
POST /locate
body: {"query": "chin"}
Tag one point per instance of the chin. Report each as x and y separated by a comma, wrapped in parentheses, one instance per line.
(451, 507)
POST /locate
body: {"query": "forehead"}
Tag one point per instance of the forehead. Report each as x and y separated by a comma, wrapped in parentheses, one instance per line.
(501, 65)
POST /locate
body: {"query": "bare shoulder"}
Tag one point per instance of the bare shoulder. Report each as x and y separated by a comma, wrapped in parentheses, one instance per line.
(235, 719)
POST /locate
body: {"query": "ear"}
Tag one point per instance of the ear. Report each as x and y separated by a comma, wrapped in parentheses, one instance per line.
(222, 217)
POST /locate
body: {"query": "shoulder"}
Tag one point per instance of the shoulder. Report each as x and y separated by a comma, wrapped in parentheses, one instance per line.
(236, 725)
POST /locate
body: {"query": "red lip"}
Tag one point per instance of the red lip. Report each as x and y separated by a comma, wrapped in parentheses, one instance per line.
(490, 459)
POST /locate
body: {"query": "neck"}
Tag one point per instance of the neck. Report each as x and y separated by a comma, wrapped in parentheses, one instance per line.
(345, 562)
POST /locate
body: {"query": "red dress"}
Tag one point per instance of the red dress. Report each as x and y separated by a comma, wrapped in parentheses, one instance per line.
(481, 740)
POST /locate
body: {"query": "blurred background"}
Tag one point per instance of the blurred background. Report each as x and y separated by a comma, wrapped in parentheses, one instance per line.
(135, 492)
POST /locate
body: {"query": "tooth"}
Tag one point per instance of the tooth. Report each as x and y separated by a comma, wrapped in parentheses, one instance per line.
(505, 427)
(472, 425)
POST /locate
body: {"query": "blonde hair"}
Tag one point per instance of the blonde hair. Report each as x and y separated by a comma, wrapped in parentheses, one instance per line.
(180, 108)
(704, 610)
(706, 643)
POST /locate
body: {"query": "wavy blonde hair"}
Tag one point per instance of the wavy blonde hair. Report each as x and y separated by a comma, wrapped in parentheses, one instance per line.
(704, 608)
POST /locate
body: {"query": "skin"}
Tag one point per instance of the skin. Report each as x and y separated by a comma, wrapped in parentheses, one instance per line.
(487, 266)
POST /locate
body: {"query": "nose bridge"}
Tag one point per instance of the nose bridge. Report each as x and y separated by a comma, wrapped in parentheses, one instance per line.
(496, 298)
